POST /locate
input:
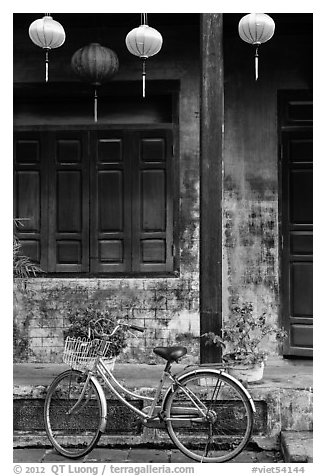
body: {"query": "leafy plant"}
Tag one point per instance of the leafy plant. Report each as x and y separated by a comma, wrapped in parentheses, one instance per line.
(23, 266)
(244, 336)
(88, 322)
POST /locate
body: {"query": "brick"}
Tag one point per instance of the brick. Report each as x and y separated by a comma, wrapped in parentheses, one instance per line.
(35, 342)
(147, 314)
(42, 332)
(52, 341)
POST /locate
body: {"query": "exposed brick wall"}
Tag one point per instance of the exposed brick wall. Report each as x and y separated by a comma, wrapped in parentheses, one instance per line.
(168, 308)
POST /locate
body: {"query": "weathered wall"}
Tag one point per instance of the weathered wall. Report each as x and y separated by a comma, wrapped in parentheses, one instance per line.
(167, 307)
(250, 203)
(251, 188)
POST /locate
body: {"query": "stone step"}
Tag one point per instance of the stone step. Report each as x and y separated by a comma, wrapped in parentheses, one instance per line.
(297, 446)
(283, 401)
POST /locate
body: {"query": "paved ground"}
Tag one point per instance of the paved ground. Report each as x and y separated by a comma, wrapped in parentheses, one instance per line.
(278, 373)
(143, 455)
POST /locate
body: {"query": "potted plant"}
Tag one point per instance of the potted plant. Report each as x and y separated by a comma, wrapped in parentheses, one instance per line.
(244, 342)
(90, 322)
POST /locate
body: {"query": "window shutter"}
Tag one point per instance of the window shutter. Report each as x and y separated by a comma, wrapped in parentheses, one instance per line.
(152, 207)
(110, 197)
(30, 194)
(69, 202)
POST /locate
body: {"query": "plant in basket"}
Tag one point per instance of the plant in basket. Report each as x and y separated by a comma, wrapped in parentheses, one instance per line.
(89, 323)
(244, 341)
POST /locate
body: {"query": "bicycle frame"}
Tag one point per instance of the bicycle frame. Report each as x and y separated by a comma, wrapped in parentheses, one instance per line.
(183, 412)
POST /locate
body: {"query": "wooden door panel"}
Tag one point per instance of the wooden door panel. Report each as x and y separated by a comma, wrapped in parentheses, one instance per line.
(32, 249)
(110, 197)
(153, 251)
(301, 149)
(30, 190)
(69, 252)
(301, 196)
(69, 201)
(69, 205)
(27, 150)
(28, 204)
(301, 281)
(111, 200)
(111, 251)
(297, 223)
(152, 216)
(301, 336)
(301, 243)
(110, 149)
(153, 200)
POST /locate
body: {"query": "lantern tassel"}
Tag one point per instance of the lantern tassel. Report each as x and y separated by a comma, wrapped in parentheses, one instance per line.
(144, 77)
(95, 105)
(256, 64)
(46, 65)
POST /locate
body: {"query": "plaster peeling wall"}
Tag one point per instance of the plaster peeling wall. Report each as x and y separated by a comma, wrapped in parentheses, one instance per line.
(250, 255)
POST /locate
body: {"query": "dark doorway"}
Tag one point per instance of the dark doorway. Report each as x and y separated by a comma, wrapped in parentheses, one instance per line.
(296, 145)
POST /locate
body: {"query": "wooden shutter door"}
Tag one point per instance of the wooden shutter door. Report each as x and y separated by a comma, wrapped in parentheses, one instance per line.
(298, 240)
(68, 202)
(296, 137)
(30, 194)
(110, 197)
(152, 205)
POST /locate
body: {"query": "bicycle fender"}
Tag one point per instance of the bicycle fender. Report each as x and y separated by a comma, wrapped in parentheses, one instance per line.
(103, 403)
(182, 375)
(230, 377)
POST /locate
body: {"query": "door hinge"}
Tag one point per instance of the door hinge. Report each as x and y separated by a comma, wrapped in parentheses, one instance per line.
(172, 150)
(173, 250)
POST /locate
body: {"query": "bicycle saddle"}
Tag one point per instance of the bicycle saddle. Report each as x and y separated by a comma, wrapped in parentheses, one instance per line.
(170, 353)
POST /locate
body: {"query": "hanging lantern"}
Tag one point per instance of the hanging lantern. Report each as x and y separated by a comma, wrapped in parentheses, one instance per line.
(144, 42)
(96, 64)
(47, 34)
(256, 28)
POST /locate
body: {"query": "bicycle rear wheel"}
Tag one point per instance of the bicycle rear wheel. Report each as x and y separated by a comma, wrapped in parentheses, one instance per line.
(221, 430)
(73, 418)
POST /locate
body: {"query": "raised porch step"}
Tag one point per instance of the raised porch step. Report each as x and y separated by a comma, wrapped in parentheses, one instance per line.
(283, 400)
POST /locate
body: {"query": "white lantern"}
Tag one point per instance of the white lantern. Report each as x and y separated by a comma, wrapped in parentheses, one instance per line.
(144, 42)
(256, 28)
(47, 34)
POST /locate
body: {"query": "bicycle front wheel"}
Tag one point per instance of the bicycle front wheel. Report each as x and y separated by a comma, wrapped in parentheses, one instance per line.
(208, 417)
(73, 414)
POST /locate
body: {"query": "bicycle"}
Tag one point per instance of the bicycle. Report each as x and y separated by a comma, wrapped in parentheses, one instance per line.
(207, 413)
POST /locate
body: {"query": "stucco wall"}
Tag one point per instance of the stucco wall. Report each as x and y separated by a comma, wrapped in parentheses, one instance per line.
(251, 233)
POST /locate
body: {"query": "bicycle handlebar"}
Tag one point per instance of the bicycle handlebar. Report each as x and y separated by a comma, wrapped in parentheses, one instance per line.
(119, 324)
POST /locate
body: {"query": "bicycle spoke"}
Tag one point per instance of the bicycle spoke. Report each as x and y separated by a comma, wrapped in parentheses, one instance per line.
(72, 414)
(226, 426)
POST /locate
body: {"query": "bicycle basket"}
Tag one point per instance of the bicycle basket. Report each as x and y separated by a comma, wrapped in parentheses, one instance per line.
(81, 354)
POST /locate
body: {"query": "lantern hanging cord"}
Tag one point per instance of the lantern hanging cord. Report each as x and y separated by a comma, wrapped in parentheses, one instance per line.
(144, 18)
(256, 63)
